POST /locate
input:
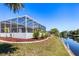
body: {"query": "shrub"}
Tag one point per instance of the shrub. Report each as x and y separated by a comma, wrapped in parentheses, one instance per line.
(64, 34)
(55, 32)
(36, 34)
(44, 34)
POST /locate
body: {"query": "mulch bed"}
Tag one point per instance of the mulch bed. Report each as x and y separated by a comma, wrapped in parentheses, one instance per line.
(17, 39)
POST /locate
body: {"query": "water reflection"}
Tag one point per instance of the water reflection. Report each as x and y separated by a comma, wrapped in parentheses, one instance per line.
(74, 46)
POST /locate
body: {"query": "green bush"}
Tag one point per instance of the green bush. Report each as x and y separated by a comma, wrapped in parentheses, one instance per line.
(44, 34)
(64, 34)
(36, 34)
(54, 31)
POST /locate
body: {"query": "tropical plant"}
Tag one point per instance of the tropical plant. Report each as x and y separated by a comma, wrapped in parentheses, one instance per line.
(64, 34)
(46, 34)
(36, 34)
(77, 31)
(15, 7)
(74, 35)
(42, 34)
(54, 31)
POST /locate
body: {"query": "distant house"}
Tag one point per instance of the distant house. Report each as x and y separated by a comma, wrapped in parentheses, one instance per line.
(21, 27)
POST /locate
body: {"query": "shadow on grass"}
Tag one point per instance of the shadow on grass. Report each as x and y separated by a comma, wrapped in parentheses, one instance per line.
(7, 48)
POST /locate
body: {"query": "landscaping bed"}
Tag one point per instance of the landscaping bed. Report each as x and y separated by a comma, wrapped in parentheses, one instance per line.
(16, 39)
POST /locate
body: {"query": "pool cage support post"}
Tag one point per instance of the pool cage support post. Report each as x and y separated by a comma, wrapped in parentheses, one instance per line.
(25, 24)
(17, 24)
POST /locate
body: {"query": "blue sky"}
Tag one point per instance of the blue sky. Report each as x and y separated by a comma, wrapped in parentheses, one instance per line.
(52, 15)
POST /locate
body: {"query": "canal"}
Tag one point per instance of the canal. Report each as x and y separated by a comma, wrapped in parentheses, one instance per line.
(73, 45)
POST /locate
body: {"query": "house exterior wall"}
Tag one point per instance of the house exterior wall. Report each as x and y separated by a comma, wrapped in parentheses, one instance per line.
(17, 35)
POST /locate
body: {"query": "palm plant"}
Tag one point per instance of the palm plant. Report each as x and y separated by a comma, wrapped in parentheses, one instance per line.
(15, 7)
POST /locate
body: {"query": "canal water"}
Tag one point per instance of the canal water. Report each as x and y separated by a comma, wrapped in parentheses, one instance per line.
(73, 45)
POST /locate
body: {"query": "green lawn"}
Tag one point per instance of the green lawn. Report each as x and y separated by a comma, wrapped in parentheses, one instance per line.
(51, 47)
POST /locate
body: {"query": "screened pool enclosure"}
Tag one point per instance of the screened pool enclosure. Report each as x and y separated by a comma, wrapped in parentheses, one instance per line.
(21, 27)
